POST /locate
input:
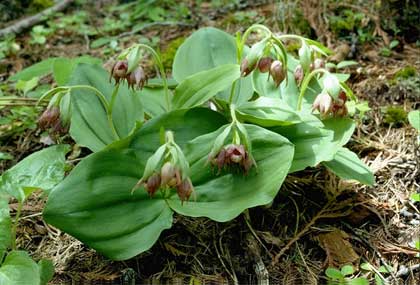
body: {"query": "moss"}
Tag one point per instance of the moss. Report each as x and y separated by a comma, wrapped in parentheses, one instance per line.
(169, 53)
(395, 115)
(406, 72)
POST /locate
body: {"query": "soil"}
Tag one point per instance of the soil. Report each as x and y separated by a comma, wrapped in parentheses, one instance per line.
(371, 224)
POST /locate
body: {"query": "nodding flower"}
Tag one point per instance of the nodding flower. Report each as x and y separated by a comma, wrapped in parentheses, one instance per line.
(246, 67)
(135, 79)
(323, 103)
(264, 64)
(152, 184)
(233, 155)
(170, 175)
(184, 190)
(299, 74)
(119, 70)
(277, 72)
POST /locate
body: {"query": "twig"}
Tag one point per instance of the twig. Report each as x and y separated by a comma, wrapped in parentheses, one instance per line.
(35, 19)
(325, 212)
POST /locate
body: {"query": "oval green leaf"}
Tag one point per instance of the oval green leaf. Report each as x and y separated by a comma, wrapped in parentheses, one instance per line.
(268, 112)
(95, 205)
(203, 50)
(201, 87)
(89, 125)
(347, 165)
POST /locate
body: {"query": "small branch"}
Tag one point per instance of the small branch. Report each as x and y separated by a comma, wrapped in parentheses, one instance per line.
(35, 19)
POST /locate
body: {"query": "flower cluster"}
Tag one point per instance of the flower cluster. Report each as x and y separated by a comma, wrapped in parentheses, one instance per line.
(231, 156)
(135, 79)
(169, 177)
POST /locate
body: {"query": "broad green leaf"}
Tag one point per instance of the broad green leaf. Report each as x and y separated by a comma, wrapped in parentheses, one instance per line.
(268, 112)
(201, 87)
(19, 269)
(414, 119)
(186, 125)
(89, 125)
(347, 165)
(62, 69)
(95, 204)
(37, 70)
(243, 91)
(153, 101)
(343, 129)
(204, 49)
(313, 144)
(235, 192)
(347, 270)
(264, 85)
(334, 273)
(46, 271)
(41, 170)
(5, 225)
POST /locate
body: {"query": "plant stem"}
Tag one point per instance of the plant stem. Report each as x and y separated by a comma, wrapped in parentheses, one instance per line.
(162, 74)
(14, 226)
(305, 84)
(232, 91)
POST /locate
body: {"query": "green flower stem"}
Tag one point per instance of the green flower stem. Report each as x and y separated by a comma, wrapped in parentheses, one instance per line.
(104, 102)
(305, 84)
(162, 74)
(232, 91)
(247, 33)
(113, 98)
(15, 223)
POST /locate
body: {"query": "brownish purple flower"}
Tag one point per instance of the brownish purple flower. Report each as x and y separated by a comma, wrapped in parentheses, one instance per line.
(152, 184)
(233, 155)
(184, 190)
(137, 78)
(299, 74)
(264, 64)
(277, 72)
(119, 70)
(246, 67)
(170, 175)
(50, 118)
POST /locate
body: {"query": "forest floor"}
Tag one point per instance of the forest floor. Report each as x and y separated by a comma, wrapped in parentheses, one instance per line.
(299, 235)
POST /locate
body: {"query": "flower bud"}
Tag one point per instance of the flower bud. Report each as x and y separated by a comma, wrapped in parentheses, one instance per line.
(170, 176)
(264, 64)
(137, 78)
(277, 72)
(323, 103)
(298, 74)
(341, 99)
(318, 63)
(49, 118)
(184, 190)
(152, 184)
(246, 68)
(235, 153)
(119, 70)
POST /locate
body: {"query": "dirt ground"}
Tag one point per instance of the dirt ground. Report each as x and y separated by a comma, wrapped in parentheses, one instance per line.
(291, 241)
